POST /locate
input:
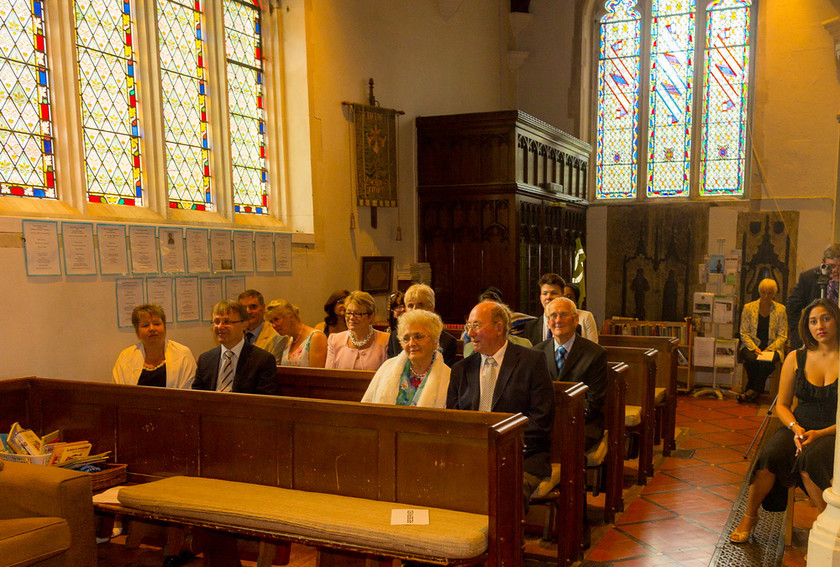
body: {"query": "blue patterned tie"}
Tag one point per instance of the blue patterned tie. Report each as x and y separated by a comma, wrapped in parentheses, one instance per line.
(560, 357)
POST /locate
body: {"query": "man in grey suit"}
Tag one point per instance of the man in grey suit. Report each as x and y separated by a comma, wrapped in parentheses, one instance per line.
(235, 365)
(506, 377)
(571, 358)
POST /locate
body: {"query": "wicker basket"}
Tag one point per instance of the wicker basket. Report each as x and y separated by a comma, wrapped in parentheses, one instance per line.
(110, 475)
(32, 459)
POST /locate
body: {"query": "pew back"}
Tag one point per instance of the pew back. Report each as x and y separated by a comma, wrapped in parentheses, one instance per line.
(323, 383)
(467, 461)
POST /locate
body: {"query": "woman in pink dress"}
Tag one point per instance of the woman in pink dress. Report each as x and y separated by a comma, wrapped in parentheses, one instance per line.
(360, 347)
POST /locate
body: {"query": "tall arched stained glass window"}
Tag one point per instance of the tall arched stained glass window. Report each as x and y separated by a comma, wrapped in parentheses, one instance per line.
(243, 47)
(184, 98)
(26, 142)
(104, 44)
(693, 97)
(669, 125)
(618, 101)
(725, 101)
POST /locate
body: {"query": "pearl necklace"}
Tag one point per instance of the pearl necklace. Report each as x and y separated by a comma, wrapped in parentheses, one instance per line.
(425, 372)
(363, 342)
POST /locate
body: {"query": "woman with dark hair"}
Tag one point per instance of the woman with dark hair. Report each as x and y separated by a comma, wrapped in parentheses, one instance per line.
(154, 361)
(334, 308)
(802, 452)
(396, 307)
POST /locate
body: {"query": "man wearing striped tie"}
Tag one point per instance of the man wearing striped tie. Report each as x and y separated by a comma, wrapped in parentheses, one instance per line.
(235, 365)
(506, 377)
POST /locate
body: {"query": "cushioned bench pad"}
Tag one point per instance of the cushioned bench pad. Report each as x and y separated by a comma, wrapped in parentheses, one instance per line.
(326, 517)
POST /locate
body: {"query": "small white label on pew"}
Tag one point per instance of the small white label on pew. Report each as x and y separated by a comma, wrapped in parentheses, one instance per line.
(409, 517)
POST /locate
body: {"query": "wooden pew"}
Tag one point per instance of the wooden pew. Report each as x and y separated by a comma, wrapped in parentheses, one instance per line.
(323, 383)
(417, 457)
(614, 426)
(567, 499)
(666, 377)
(641, 381)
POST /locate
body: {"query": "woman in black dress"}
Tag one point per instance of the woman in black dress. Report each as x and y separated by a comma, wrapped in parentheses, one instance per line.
(803, 451)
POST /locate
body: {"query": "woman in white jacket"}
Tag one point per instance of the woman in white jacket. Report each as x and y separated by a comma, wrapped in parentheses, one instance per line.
(154, 361)
(417, 376)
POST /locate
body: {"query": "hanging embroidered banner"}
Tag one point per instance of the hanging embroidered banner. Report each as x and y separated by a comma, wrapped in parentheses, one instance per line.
(376, 156)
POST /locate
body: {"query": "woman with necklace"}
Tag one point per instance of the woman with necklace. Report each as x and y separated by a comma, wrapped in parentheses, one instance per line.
(801, 452)
(154, 361)
(764, 329)
(417, 376)
(307, 346)
(360, 347)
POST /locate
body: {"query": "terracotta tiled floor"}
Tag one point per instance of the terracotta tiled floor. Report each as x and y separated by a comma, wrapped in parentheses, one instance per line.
(678, 517)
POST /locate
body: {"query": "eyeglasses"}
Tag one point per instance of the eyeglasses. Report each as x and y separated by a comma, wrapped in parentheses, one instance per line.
(555, 316)
(417, 337)
(224, 322)
(474, 326)
(356, 314)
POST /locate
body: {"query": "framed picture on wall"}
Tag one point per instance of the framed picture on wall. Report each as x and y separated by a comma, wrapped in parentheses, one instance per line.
(377, 274)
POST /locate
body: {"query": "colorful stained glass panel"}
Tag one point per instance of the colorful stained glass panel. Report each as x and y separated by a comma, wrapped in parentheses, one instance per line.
(669, 126)
(618, 102)
(26, 142)
(245, 97)
(726, 86)
(184, 98)
(104, 43)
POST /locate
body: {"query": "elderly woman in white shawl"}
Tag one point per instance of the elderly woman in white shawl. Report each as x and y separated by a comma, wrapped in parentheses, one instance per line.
(417, 376)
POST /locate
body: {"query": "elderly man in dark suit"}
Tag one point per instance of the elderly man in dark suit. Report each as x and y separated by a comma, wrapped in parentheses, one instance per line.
(235, 365)
(505, 377)
(571, 358)
(551, 287)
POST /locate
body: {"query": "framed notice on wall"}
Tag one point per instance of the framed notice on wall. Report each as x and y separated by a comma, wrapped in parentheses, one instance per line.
(376, 273)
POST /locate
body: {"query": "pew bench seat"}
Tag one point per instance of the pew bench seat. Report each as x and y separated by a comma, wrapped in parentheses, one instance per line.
(659, 395)
(632, 416)
(314, 518)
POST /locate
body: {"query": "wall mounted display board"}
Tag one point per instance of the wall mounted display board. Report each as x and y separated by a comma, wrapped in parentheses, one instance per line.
(198, 253)
(234, 285)
(143, 249)
(221, 253)
(211, 294)
(159, 290)
(264, 252)
(187, 305)
(283, 254)
(171, 243)
(129, 295)
(243, 251)
(79, 253)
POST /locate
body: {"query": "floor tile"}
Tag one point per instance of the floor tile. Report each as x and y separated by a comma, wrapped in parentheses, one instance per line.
(671, 463)
(663, 482)
(714, 521)
(737, 424)
(726, 438)
(643, 510)
(687, 502)
(704, 427)
(616, 545)
(649, 561)
(728, 491)
(671, 535)
(718, 455)
(706, 476)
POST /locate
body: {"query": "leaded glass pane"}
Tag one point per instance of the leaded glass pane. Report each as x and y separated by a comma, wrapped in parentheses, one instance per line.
(104, 43)
(669, 127)
(26, 143)
(245, 97)
(618, 101)
(183, 90)
(726, 84)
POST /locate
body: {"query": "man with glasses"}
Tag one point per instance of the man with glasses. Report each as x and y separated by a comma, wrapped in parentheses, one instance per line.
(810, 287)
(505, 377)
(257, 332)
(234, 365)
(571, 358)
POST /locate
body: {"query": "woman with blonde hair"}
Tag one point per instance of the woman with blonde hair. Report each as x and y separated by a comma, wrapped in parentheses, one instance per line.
(764, 329)
(360, 347)
(307, 346)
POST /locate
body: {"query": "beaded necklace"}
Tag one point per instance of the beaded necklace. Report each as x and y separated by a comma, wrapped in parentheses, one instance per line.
(363, 342)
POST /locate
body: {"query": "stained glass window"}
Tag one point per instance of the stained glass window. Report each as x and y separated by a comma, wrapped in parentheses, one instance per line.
(26, 142)
(243, 46)
(669, 125)
(618, 101)
(680, 116)
(725, 101)
(105, 47)
(184, 101)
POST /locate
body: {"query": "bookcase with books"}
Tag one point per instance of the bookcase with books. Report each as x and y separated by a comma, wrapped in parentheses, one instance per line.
(683, 330)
